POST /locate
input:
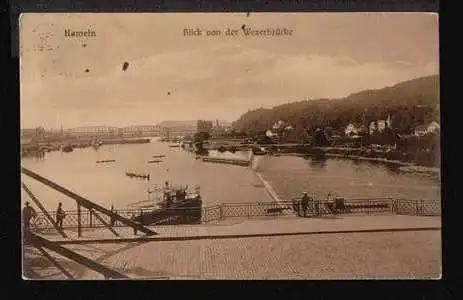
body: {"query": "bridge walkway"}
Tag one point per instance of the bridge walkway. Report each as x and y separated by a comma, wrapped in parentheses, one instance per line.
(241, 228)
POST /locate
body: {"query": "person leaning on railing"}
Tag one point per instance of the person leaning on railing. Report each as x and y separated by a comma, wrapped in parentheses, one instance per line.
(28, 214)
(60, 215)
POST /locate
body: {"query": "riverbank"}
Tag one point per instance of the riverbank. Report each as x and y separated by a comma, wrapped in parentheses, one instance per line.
(37, 149)
(421, 170)
(419, 163)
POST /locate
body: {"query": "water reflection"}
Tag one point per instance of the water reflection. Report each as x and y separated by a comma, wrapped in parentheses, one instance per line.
(318, 162)
(290, 176)
(38, 155)
(356, 162)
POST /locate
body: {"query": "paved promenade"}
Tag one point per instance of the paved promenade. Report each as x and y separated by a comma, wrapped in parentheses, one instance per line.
(265, 226)
(363, 247)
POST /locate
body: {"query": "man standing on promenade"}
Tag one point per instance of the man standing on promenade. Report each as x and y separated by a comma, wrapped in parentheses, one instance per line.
(28, 214)
(305, 203)
(60, 215)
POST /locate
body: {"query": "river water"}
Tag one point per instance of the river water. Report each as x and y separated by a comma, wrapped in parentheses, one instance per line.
(107, 184)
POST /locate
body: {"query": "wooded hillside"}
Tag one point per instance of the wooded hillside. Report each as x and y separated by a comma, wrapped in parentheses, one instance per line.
(410, 103)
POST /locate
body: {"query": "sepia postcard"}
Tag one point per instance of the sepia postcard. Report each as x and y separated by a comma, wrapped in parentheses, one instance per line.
(230, 146)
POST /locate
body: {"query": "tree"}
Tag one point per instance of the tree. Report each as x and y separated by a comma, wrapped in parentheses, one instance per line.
(204, 126)
(319, 139)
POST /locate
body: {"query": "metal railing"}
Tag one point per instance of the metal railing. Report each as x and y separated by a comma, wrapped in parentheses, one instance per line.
(224, 211)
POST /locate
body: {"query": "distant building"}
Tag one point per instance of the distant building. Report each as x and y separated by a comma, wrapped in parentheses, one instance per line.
(278, 125)
(141, 130)
(372, 127)
(271, 134)
(178, 128)
(432, 127)
(379, 125)
(92, 131)
(352, 129)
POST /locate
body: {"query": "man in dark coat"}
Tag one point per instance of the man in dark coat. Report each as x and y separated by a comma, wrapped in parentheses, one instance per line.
(305, 203)
(28, 214)
(60, 215)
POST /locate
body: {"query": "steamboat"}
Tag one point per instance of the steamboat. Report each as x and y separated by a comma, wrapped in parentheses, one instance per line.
(172, 206)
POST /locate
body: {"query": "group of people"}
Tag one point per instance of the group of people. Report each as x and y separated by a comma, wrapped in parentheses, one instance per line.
(333, 203)
(29, 213)
(307, 203)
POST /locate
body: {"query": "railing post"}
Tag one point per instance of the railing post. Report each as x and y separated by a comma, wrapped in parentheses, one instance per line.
(249, 210)
(79, 221)
(90, 218)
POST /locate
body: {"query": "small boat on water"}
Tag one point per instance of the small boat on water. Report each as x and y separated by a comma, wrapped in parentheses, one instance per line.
(174, 205)
(158, 156)
(136, 175)
(105, 161)
(174, 146)
(154, 161)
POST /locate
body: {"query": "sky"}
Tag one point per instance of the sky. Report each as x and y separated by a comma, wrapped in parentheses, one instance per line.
(79, 81)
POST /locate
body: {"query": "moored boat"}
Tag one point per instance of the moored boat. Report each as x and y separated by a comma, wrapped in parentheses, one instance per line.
(175, 205)
(137, 175)
(154, 161)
